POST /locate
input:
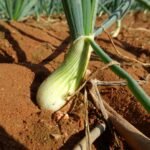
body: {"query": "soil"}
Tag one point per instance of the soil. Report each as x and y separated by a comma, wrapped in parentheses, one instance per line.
(30, 51)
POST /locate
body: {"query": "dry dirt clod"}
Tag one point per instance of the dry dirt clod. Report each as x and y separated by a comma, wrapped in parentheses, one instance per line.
(59, 115)
(55, 136)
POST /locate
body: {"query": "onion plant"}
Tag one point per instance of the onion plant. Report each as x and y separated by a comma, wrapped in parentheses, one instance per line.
(55, 91)
(2, 9)
(144, 3)
(109, 6)
(18, 9)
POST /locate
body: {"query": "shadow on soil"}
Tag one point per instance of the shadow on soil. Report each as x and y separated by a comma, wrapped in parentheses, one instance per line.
(15, 45)
(102, 142)
(137, 51)
(5, 57)
(32, 26)
(27, 34)
(8, 143)
(21, 54)
(58, 51)
(73, 140)
(40, 71)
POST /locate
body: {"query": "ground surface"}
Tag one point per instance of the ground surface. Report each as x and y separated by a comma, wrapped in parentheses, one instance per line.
(30, 51)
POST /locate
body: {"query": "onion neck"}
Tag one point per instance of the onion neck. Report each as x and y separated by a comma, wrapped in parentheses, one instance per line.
(64, 81)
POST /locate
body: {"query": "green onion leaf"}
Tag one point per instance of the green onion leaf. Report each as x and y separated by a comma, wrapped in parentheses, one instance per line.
(73, 11)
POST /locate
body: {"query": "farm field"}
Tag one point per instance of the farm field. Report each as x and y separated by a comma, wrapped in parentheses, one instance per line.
(31, 50)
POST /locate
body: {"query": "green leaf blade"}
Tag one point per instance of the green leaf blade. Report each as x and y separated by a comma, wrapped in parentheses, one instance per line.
(73, 11)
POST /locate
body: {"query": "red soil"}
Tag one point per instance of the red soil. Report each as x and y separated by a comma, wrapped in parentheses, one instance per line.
(30, 51)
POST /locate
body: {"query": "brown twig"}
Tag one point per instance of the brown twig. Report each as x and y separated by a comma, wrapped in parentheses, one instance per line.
(90, 137)
(125, 57)
(87, 128)
(120, 83)
(139, 29)
(98, 100)
(110, 64)
(116, 83)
